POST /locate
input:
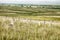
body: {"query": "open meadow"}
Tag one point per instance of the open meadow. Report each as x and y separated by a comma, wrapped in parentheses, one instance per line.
(29, 23)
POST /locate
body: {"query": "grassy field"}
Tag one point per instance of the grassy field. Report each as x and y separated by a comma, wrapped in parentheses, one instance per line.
(11, 28)
(25, 23)
(29, 11)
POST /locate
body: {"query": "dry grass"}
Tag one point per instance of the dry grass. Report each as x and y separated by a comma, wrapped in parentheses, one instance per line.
(11, 28)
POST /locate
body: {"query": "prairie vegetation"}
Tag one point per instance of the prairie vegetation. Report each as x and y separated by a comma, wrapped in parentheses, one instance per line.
(12, 28)
(29, 11)
(27, 23)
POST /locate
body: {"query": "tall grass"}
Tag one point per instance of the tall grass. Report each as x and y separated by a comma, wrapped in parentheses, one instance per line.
(27, 31)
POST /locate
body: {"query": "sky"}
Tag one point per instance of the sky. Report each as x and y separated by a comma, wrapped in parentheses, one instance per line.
(31, 1)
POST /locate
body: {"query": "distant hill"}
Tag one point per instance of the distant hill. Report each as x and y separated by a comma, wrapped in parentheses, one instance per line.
(35, 10)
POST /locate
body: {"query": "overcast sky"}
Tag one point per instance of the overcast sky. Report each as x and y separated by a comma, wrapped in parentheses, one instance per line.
(31, 1)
